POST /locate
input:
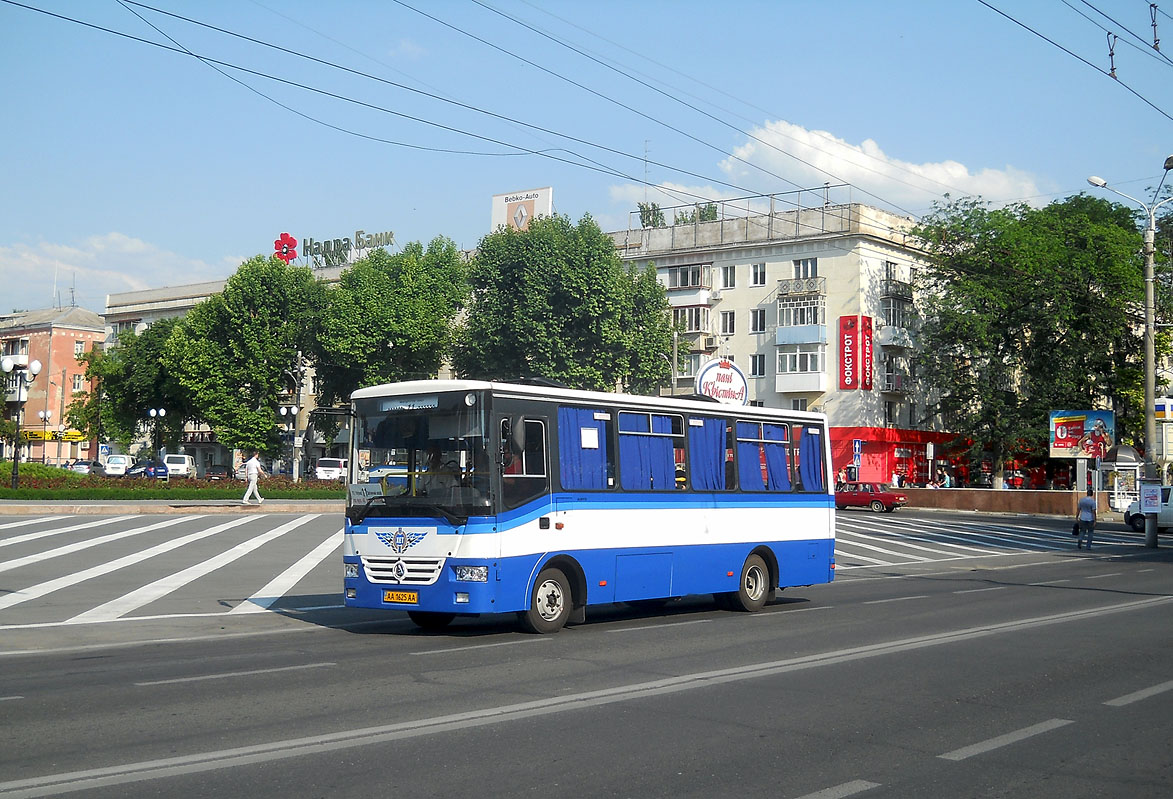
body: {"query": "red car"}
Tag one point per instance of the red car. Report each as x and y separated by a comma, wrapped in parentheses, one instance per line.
(880, 497)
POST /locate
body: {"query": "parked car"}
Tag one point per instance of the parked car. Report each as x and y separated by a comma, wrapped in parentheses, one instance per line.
(861, 494)
(88, 467)
(180, 465)
(116, 465)
(1135, 519)
(218, 472)
(148, 468)
(330, 469)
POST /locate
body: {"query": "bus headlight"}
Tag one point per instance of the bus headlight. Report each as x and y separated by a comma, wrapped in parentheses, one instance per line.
(472, 574)
(350, 569)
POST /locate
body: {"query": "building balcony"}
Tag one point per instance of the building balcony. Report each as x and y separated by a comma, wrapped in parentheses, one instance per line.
(895, 336)
(897, 288)
(808, 382)
(896, 383)
(802, 285)
(801, 334)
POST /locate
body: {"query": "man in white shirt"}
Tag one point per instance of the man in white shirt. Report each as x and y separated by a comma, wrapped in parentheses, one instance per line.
(252, 472)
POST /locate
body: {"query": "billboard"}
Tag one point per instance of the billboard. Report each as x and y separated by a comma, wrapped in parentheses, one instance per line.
(722, 380)
(516, 209)
(1082, 434)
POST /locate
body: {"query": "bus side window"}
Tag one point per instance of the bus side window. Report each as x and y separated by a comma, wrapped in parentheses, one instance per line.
(525, 476)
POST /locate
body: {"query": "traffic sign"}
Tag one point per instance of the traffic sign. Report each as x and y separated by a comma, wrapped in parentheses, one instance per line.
(856, 447)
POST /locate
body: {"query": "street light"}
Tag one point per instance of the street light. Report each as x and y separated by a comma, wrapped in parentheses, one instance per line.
(44, 417)
(157, 415)
(22, 373)
(291, 412)
(1150, 326)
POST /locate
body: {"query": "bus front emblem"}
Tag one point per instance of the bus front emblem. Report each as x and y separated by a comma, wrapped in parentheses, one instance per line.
(400, 541)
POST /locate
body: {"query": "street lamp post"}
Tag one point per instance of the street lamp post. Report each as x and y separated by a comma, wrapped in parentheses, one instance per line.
(44, 417)
(1150, 327)
(291, 412)
(22, 372)
(157, 415)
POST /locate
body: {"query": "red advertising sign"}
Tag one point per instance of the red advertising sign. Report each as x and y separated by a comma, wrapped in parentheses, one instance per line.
(848, 352)
(865, 353)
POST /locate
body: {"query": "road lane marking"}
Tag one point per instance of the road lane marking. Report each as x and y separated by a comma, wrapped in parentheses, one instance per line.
(896, 599)
(784, 611)
(1004, 740)
(842, 791)
(199, 762)
(7, 698)
(658, 626)
(1101, 576)
(1050, 582)
(35, 591)
(34, 520)
(281, 584)
(1142, 571)
(477, 646)
(173, 582)
(979, 590)
(77, 546)
(229, 674)
(1128, 699)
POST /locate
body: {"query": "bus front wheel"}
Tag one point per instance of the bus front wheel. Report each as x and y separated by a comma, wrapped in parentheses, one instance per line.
(753, 589)
(550, 603)
(430, 621)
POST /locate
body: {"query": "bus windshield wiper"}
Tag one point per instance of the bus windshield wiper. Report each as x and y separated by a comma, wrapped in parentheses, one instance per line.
(358, 516)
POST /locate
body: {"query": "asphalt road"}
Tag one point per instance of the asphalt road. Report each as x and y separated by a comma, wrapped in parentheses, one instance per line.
(954, 656)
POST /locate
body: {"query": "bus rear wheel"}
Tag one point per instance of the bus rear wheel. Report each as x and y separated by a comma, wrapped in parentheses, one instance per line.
(431, 621)
(549, 606)
(753, 589)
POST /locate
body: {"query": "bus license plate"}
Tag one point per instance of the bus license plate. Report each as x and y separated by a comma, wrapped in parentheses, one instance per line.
(406, 597)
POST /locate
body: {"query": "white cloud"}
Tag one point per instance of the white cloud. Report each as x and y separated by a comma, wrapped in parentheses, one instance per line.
(92, 268)
(407, 50)
(867, 167)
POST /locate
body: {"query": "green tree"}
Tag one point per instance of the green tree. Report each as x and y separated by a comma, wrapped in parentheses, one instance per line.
(1028, 311)
(650, 215)
(699, 213)
(390, 317)
(130, 379)
(556, 301)
(232, 353)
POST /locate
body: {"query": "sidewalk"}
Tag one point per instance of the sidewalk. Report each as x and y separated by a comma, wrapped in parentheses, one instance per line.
(74, 507)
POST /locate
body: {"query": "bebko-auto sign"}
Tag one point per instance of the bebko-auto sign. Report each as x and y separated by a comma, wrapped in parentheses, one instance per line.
(723, 381)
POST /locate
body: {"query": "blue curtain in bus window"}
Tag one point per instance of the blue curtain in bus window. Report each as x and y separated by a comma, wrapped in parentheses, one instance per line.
(581, 469)
(635, 468)
(777, 457)
(810, 459)
(749, 458)
(706, 454)
(661, 459)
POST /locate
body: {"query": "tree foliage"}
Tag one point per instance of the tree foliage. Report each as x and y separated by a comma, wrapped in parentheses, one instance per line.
(556, 301)
(650, 215)
(699, 213)
(232, 352)
(129, 379)
(390, 317)
(1027, 311)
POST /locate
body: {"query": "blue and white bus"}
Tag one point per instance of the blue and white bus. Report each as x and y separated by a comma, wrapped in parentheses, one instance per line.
(542, 501)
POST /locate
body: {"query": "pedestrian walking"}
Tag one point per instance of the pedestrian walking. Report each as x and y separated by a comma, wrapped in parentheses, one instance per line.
(1085, 514)
(252, 472)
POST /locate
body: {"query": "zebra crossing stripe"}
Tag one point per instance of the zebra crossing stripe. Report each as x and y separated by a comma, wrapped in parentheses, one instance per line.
(78, 546)
(277, 587)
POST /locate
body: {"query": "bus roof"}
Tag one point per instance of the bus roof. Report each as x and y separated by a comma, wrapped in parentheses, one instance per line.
(531, 391)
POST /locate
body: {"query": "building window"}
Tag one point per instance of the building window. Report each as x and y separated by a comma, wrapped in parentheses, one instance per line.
(757, 320)
(798, 404)
(78, 348)
(756, 404)
(79, 382)
(728, 277)
(802, 309)
(891, 412)
(758, 277)
(692, 318)
(728, 323)
(16, 346)
(806, 267)
(696, 276)
(795, 358)
(757, 366)
(688, 365)
(898, 312)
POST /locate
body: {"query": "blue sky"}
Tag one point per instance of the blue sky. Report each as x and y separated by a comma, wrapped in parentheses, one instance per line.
(127, 166)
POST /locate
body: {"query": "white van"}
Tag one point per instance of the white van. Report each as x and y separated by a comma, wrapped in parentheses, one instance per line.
(116, 465)
(179, 465)
(330, 469)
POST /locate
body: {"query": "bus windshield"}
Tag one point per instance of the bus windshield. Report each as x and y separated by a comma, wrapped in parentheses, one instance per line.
(421, 455)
